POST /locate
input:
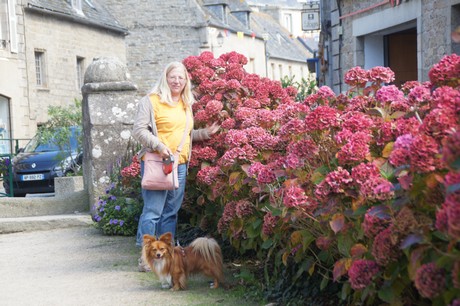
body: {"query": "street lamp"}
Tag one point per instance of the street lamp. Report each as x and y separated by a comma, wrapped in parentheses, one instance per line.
(220, 39)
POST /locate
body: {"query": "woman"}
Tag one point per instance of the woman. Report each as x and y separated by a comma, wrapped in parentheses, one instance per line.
(159, 126)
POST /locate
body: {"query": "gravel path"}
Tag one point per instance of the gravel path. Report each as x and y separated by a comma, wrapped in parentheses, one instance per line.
(80, 266)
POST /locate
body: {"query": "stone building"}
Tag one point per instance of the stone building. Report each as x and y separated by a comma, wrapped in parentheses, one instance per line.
(45, 47)
(165, 31)
(409, 36)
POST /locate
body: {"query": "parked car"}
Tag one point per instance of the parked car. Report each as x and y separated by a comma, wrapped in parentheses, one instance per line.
(39, 162)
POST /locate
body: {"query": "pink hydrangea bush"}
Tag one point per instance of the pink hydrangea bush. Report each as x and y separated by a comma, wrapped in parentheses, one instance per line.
(368, 179)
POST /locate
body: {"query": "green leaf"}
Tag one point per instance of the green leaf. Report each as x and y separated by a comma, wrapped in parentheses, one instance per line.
(324, 283)
(267, 244)
(386, 294)
(345, 243)
(346, 289)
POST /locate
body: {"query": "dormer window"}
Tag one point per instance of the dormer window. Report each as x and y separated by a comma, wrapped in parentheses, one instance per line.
(243, 17)
(220, 10)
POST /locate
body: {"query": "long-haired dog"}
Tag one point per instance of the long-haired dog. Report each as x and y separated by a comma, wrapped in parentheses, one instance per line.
(173, 265)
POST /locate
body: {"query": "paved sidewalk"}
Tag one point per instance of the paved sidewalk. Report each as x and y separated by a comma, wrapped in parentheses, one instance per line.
(80, 266)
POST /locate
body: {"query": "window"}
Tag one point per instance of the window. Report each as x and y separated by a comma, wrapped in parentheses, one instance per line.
(290, 71)
(280, 68)
(8, 20)
(40, 75)
(288, 22)
(80, 72)
(273, 70)
(4, 125)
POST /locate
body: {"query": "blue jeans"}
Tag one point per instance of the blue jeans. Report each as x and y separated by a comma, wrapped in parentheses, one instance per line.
(159, 214)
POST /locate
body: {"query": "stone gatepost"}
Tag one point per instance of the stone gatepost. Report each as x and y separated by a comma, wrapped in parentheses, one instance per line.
(109, 107)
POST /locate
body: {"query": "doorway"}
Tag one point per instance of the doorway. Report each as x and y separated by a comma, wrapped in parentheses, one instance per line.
(401, 55)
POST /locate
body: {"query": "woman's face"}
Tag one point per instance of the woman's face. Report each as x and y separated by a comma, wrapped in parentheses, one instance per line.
(176, 81)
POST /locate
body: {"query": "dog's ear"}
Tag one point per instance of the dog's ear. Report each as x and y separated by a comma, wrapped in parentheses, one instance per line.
(149, 239)
(166, 238)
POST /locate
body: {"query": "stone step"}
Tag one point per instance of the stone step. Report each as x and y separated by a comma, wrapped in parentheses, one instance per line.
(35, 223)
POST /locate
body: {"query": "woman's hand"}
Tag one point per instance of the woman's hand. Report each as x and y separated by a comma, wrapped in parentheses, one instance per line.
(165, 153)
(212, 129)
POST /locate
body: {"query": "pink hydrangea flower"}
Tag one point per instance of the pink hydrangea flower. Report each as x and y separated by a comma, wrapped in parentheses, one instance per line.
(339, 180)
(228, 124)
(236, 138)
(356, 77)
(451, 148)
(440, 122)
(269, 223)
(294, 196)
(381, 74)
(208, 175)
(445, 72)
(373, 223)
(392, 95)
(356, 150)
(401, 150)
(383, 248)
(244, 208)
(423, 154)
(323, 117)
(361, 273)
(227, 216)
(447, 98)
(430, 280)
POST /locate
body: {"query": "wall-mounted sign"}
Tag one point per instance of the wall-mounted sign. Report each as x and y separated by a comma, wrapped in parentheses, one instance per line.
(310, 17)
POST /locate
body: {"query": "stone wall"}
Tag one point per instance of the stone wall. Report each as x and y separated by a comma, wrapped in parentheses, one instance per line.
(159, 32)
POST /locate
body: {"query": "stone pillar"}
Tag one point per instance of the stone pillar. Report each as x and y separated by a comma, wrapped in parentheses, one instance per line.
(109, 106)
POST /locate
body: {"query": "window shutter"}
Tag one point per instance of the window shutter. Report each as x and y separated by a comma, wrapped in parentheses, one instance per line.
(13, 26)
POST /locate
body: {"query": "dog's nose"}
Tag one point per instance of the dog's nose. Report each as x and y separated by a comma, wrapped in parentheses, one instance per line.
(158, 255)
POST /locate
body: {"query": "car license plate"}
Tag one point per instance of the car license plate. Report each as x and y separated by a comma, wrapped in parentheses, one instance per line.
(33, 177)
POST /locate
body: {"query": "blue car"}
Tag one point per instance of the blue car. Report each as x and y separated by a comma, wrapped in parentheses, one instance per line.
(39, 162)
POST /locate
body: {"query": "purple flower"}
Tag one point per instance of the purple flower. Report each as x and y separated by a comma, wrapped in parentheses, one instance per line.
(117, 207)
(122, 222)
(112, 197)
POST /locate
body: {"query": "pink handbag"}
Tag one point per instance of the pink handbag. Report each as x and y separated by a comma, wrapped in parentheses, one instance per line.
(157, 172)
(154, 177)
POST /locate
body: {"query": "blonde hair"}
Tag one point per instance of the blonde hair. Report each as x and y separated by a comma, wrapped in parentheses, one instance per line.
(162, 88)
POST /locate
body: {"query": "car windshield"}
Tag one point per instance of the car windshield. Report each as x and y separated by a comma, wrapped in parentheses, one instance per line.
(36, 144)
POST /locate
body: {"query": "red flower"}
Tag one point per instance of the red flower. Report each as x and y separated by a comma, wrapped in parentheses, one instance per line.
(356, 77)
(356, 150)
(374, 223)
(294, 196)
(446, 72)
(269, 223)
(381, 74)
(423, 154)
(430, 280)
(384, 249)
(361, 273)
(323, 117)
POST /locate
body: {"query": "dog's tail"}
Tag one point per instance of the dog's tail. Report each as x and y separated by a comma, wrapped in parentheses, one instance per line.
(209, 250)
